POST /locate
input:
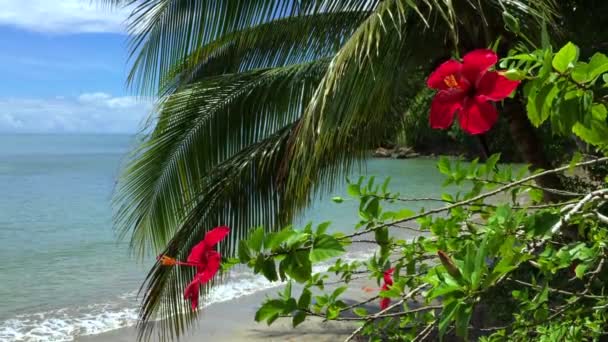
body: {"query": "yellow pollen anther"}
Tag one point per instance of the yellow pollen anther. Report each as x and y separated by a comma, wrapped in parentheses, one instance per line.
(167, 261)
(450, 81)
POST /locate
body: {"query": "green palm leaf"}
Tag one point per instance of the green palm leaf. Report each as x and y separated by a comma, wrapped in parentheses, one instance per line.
(198, 128)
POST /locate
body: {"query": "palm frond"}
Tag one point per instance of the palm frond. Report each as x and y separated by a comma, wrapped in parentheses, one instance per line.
(239, 192)
(198, 128)
(165, 32)
(281, 42)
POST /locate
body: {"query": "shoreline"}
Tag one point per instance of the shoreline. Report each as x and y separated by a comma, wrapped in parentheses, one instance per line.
(233, 320)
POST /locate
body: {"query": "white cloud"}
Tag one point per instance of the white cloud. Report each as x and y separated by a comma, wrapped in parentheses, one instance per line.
(62, 16)
(89, 112)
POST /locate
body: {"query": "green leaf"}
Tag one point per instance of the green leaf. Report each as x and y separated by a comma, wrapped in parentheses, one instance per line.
(580, 73)
(338, 292)
(511, 23)
(269, 310)
(274, 240)
(322, 228)
(596, 133)
(297, 266)
(256, 240)
(576, 158)
(403, 214)
(444, 166)
(565, 58)
(353, 190)
(543, 102)
(580, 270)
(305, 299)
(361, 312)
(337, 199)
(371, 209)
(598, 65)
(447, 315)
(599, 111)
(325, 247)
(269, 270)
(298, 318)
(385, 184)
(244, 252)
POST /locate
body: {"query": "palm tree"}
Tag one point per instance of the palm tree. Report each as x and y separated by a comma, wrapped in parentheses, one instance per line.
(263, 104)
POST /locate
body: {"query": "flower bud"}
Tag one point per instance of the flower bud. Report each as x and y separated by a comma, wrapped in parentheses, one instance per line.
(449, 264)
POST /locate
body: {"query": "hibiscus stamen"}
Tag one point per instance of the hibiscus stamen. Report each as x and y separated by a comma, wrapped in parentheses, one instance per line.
(169, 261)
(450, 81)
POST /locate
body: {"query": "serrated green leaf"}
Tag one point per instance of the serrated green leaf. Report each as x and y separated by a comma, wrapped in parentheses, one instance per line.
(596, 133)
(565, 57)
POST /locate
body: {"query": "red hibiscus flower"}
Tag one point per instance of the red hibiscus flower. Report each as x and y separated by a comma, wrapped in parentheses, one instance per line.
(388, 281)
(468, 88)
(205, 258)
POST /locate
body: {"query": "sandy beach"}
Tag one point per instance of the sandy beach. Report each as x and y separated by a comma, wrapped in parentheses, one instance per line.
(234, 321)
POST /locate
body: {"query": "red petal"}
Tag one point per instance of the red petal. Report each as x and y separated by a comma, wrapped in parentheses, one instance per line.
(437, 78)
(210, 269)
(443, 108)
(477, 62)
(477, 117)
(388, 276)
(495, 87)
(191, 293)
(197, 254)
(384, 303)
(216, 235)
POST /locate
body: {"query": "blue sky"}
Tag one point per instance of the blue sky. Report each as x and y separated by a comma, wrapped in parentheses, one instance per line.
(63, 65)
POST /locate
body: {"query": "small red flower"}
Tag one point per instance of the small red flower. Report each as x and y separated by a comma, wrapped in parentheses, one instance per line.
(467, 88)
(388, 281)
(205, 258)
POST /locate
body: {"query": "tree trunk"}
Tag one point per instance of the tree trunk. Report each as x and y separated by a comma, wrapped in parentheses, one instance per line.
(531, 147)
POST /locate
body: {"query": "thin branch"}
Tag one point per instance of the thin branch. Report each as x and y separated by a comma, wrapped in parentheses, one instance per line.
(480, 196)
(425, 332)
(577, 207)
(382, 312)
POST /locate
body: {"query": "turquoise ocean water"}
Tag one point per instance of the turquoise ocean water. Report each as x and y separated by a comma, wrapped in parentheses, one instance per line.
(63, 273)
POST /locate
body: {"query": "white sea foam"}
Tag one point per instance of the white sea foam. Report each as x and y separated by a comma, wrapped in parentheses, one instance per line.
(68, 323)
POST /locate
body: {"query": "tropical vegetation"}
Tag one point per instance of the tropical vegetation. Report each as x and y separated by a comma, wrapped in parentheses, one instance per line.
(264, 104)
